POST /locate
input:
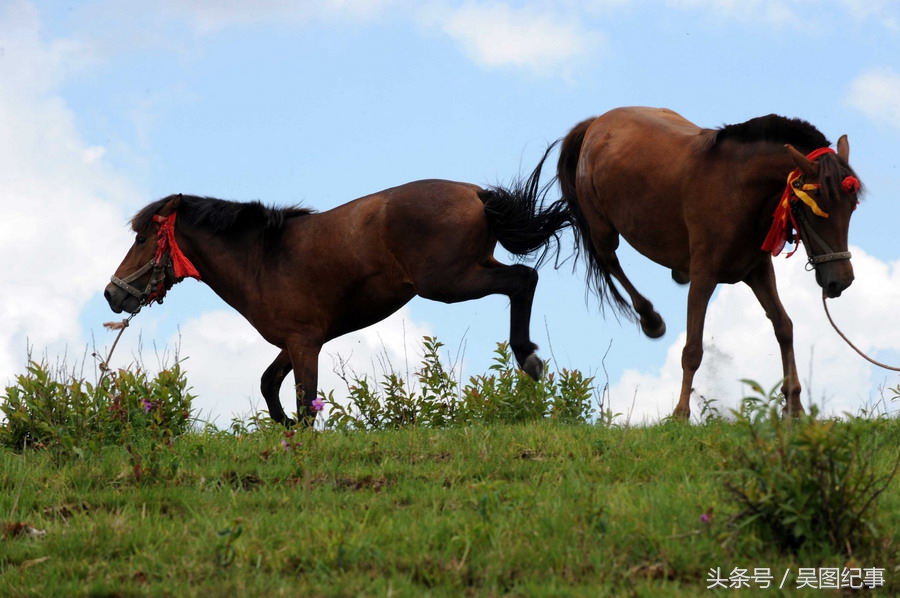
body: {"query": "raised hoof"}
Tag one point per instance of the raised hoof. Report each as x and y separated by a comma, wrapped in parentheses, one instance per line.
(533, 366)
(653, 327)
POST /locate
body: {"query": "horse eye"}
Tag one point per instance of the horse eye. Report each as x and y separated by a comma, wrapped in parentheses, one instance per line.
(140, 240)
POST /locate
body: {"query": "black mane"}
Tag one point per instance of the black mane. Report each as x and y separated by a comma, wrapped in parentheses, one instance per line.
(802, 135)
(779, 129)
(220, 215)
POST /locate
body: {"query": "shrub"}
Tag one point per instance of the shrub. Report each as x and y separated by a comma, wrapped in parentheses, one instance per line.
(505, 394)
(804, 483)
(47, 408)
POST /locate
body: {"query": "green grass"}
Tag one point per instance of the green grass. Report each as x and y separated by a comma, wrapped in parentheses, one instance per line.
(537, 509)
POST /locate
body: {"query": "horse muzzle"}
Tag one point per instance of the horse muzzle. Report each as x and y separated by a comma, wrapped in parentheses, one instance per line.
(119, 300)
(834, 277)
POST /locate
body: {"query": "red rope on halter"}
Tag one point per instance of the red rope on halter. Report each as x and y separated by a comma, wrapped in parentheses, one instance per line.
(166, 240)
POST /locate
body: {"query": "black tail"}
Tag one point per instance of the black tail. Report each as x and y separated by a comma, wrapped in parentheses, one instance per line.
(598, 277)
(518, 219)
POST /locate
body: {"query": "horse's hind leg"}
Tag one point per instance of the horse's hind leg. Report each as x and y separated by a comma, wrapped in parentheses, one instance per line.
(651, 322)
(517, 282)
(304, 363)
(605, 241)
(520, 320)
(270, 385)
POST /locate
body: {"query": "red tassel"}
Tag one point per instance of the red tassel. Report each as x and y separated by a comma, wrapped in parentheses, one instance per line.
(166, 240)
(850, 184)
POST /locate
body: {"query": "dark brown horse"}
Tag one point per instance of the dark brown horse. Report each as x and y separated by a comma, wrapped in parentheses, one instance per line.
(303, 278)
(714, 206)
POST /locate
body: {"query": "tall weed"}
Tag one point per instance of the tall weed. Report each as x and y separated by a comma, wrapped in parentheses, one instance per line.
(503, 395)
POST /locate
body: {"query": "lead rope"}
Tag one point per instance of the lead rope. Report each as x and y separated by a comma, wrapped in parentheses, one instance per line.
(852, 346)
(120, 326)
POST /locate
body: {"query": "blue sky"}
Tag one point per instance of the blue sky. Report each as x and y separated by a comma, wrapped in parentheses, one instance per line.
(106, 105)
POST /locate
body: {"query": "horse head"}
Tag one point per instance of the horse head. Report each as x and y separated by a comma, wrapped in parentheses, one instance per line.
(823, 192)
(148, 270)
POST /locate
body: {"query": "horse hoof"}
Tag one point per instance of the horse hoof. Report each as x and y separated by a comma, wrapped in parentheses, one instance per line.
(653, 330)
(794, 411)
(533, 366)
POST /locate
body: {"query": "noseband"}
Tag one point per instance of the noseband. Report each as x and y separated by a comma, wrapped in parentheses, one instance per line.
(156, 287)
(806, 231)
(168, 266)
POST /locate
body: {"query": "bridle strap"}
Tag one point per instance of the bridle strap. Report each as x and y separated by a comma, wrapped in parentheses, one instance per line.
(123, 283)
(810, 234)
(159, 267)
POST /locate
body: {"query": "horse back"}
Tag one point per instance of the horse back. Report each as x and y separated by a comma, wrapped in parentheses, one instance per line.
(642, 144)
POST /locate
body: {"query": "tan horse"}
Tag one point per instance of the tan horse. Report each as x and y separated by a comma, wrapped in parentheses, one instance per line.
(303, 278)
(714, 206)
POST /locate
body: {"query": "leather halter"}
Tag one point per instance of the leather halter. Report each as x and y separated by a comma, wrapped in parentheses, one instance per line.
(167, 266)
(806, 231)
(162, 278)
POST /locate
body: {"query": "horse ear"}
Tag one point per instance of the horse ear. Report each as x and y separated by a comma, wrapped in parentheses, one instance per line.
(806, 166)
(170, 206)
(843, 148)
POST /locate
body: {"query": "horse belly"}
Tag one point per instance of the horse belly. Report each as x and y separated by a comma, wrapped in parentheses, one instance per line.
(659, 235)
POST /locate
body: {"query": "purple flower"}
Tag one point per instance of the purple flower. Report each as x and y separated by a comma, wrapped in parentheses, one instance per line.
(286, 445)
(318, 404)
(147, 405)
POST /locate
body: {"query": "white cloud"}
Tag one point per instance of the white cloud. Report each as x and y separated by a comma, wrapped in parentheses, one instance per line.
(213, 15)
(495, 34)
(876, 93)
(209, 16)
(739, 343)
(57, 197)
(883, 12)
(777, 13)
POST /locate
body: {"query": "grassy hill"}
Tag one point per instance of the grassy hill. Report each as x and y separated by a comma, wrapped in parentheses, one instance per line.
(120, 498)
(538, 509)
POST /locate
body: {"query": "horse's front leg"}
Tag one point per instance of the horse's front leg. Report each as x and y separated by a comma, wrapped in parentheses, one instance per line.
(270, 386)
(698, 299)
(305, 362)
(762, 281)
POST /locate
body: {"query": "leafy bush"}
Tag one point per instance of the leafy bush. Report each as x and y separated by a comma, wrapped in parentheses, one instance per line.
(47, 408)
(506, 395)
(804, 482)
